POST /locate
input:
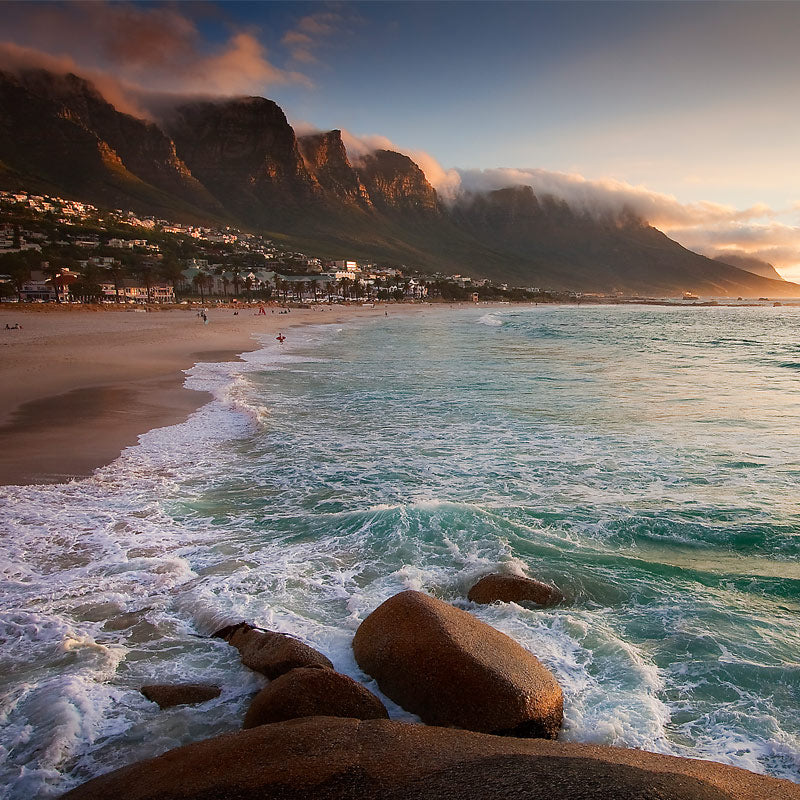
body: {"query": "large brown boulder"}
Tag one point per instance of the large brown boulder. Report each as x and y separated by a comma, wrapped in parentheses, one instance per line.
(178, 694)
(347, 759)
(514, 589)
(454, 670)
(271, 653)
(312, 692)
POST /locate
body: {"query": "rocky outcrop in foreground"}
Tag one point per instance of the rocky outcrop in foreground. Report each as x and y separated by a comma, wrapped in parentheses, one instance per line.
(179, 694)
(343, 759)
(270, 653)
(514, 589)
(312, 692)
(451, 669)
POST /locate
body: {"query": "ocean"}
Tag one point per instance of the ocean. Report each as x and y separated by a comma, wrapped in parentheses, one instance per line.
(643, 459)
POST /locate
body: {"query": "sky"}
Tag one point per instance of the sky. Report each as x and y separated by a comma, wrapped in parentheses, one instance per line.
(685, 112)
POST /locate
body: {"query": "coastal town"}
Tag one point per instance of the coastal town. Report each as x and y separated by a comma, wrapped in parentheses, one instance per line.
(54, 249)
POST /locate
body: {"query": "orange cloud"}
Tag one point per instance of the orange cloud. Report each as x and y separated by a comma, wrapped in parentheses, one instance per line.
(133, 50)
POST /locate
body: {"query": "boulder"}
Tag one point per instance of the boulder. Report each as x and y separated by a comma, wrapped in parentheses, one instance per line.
(514, 589)
(313, 692)
(179, 694)
(341, 759)
(271, 653)
(453, 670)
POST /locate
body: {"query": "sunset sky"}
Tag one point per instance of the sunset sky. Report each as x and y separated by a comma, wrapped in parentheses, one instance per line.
(686, 112)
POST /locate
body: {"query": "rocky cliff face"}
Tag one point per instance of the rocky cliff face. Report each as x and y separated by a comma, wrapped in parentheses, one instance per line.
(325, 157)
(62, 130)
(245, 152)
(394, 182)
(558, 247)
(239, 159)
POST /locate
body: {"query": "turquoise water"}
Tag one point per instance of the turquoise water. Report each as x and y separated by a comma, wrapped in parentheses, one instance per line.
(643, 459)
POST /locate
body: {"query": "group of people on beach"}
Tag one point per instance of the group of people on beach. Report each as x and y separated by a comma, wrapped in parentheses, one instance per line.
(15, 327)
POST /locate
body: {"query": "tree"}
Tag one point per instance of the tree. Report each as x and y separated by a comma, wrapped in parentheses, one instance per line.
(53, 273)
(200, 282)
(248, 285)
(18, 267)
(171, 270)
(313, 284)
(88, 285)
(116, 272)
(145, 272)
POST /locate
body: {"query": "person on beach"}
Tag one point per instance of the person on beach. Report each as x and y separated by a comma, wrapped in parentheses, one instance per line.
(262, 311)
(281, 338)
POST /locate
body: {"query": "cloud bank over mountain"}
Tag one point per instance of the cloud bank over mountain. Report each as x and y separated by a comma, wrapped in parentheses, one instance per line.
(708, 228)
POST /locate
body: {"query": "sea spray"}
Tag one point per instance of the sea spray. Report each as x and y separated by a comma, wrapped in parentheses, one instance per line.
(642, 459)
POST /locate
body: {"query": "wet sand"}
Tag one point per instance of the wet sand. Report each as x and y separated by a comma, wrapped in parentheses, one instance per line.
(77, 386)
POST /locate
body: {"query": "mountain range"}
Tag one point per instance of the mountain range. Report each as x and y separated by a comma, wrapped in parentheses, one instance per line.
(239, 161)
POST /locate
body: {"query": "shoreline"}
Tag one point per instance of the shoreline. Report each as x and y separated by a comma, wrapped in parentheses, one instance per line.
(81, 386)
(82, 383)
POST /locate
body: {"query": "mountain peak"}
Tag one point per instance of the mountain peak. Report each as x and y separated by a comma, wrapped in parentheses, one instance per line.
(394, 181)
(325, 158)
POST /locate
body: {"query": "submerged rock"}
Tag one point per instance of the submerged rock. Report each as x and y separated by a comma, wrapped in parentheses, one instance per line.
(313, 692)
(272, 654)
(340, 759)
(451, 669)
(514, 589)
(179, 694)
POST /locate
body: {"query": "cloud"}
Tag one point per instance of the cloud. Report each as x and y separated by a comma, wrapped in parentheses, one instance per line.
(311, 32)
(607, 196)
(775, 242)
(708, 228)
(359, 146)
(445, 181)
(133, 50)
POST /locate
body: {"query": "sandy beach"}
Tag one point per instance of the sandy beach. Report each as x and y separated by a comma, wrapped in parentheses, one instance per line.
(81, 384)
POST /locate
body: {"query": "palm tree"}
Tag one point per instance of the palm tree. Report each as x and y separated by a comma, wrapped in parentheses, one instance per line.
(313, 284)
(116, 271)
(248, 283)
(53, 273)
(344, 285)
(90, 281)
(145, 271)
(237, 276)
(200, 281)
(18, 266)
(171, 270)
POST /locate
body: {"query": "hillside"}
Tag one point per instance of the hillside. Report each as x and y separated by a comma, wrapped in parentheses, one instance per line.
(239, 160)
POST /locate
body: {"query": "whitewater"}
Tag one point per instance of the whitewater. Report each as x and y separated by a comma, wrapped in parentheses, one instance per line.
(643, 459)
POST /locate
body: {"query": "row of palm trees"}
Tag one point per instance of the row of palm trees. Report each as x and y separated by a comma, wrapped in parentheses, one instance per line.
(346, 288)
